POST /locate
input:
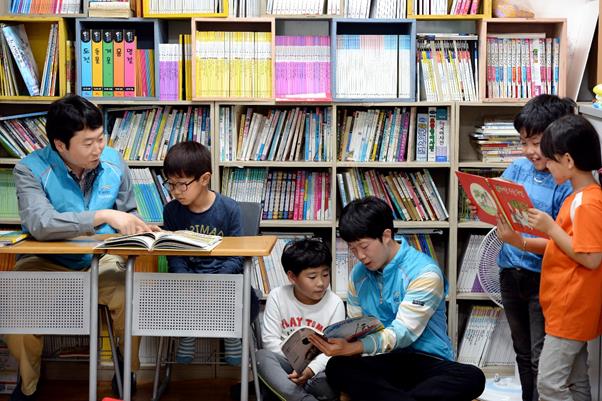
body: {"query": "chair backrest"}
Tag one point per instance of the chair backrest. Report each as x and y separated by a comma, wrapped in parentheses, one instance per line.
(250, 214)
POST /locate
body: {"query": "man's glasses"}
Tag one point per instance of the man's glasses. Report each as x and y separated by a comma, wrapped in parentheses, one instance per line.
(179, 186)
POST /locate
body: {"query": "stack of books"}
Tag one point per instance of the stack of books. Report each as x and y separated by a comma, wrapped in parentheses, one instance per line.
(497, 141)
(109, 8)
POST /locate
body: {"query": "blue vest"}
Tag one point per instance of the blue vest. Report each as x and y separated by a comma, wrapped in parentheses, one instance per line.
(65, 194)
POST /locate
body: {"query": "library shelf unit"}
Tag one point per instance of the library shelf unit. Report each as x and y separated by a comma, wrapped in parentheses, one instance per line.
(38, 30)
(551, 27)
(148, 36)
(449, 236)
(484, 12)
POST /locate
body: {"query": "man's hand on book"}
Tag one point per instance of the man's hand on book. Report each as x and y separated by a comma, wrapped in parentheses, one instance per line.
(124, 223)
(301, 379)
(336, 346)
(540, 220)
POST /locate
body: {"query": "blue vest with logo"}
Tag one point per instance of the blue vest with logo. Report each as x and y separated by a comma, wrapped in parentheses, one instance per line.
(65, 194)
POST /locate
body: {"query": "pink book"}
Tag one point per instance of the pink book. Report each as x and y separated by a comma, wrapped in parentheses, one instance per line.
(130, 63)
(466, 6)
(474, 8)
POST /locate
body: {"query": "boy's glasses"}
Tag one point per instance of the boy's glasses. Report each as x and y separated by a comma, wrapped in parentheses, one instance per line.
(179, 186)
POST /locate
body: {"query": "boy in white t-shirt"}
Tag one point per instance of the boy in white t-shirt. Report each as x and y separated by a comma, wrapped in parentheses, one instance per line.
(307, 301)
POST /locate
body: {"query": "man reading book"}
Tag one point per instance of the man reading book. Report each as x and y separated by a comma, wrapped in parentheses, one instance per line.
(306, 302)
(412, 357)
(74, 186)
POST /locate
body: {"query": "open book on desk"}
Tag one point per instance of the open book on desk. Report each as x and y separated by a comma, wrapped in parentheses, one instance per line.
(496, 196)
(164, 240)
(300, 352)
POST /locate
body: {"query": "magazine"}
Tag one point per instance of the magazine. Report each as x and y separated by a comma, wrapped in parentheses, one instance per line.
(165, 240)
(496, 196)
(300, 352)
(12, 237)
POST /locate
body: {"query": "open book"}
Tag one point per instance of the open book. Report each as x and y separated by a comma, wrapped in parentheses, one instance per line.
(300, 352)
(496, 196)
(166, 240)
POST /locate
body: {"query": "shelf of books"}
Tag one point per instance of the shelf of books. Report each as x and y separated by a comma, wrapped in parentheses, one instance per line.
(180, 9)
(449, 10)
(40, 8)
(33, 52)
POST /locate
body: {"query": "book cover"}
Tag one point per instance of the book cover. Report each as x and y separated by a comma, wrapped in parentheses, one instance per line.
(107, 63)
(496, 196)
(17, 41)
(130, 44)
(97, 75)
(86, 62)
(165, 240)
(118, 63)
(300, 352)
(12, 237)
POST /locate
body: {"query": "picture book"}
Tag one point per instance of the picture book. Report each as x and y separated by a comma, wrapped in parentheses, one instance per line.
(300, 352)
(496, 196)
(165, 240)
(16, 38)
(11, 237)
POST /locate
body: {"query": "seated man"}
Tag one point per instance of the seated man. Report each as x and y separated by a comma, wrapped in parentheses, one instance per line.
(412, 358)
(74, 186)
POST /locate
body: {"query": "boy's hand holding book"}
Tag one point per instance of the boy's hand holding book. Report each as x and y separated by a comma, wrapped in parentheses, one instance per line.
(540, 220)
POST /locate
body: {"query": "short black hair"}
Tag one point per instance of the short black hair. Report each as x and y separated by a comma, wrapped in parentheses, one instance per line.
(541, 111)
(187, 159)
(68, 115)
(368, 217)
(574, 135)
(304, 254)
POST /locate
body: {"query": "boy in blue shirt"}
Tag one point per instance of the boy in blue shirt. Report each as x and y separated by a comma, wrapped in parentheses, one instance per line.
(520, 270)
(412, 357)
(195, 207)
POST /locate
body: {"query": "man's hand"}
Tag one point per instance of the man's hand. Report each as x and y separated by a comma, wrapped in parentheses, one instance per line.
(301, 379)
(336, 346)
(124, 223)
(540, 220)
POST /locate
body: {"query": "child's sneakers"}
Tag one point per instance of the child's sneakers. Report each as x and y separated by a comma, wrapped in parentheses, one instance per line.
(232, 351)
(186, 348)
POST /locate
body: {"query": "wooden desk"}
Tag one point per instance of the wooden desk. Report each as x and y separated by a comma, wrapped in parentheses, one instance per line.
(81, 246)
(229, 246)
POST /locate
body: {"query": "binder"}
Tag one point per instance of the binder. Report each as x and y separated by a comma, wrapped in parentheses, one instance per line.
(97, 62)
(129, 74)
(86, 63)
(118, 64)
(107, 63)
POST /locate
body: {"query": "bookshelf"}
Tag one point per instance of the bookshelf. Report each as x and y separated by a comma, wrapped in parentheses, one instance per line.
(449, 235)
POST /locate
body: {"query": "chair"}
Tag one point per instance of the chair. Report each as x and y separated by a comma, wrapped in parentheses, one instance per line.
(222, 291)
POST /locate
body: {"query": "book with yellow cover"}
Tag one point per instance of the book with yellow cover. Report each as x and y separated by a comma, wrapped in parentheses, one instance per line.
(12, 237)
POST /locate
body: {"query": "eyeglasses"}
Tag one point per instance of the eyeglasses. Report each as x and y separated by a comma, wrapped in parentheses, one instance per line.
(180, 186)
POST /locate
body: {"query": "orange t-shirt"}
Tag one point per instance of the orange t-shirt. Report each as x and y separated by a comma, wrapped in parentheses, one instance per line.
(571, 294)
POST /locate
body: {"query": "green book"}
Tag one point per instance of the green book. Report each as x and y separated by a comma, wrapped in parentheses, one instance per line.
(107, 63)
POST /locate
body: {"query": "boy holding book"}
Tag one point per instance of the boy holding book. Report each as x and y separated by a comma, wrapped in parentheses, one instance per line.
(412, 357)
(520, 270)
(74, 186)
(307, 301)
(195, 207)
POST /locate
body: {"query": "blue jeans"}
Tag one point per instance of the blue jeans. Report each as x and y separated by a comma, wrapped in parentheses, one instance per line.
(520, 297)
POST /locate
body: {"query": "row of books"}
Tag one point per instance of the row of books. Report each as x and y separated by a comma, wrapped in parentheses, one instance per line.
(185, 6)
(522, 65)
(468, 281)
(497, 141)
(8, 195)
(150, 194)
(443, 7)
(113, 65)
(374, 66)
(486, 340)
(448, 68)
(268, 270)
(280, 135)
(147, 132)
(22, 134)
(233, 64)
(16, 54)
(384, 9)
(286, 194)
(413, 196)
(45, 7)
(303, 68)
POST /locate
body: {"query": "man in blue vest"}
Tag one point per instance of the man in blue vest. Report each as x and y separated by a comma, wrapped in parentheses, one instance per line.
(74, 186)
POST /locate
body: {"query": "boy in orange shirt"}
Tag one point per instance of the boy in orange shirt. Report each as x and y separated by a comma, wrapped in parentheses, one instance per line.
(571, 278)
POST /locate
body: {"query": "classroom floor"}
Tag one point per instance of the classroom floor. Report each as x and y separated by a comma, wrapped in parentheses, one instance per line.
(77, 390)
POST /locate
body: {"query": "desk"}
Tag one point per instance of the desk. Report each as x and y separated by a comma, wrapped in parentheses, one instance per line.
(229, 246)
(79, 245)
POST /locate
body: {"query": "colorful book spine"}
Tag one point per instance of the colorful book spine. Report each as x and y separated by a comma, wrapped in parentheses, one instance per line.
(118, 64)
(107, 63)
(129, 74)
(97, 62)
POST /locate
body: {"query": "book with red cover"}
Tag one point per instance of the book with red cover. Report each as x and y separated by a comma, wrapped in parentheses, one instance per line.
(496, 196)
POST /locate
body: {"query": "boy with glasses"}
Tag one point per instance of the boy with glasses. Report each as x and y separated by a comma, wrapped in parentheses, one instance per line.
(187, 168)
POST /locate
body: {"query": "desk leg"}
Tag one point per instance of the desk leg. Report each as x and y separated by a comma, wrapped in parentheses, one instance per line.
(127, 349)
(246, 312)
(93, 328)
